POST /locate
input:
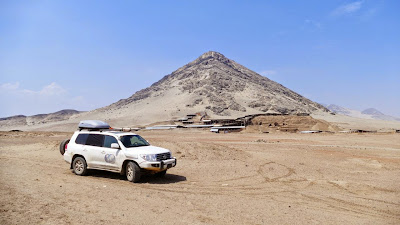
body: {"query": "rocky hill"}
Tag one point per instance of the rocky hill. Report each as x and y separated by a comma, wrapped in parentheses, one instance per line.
(376, 114)
(372, 111)
(39, 119)
(369, 113)
(216, 85)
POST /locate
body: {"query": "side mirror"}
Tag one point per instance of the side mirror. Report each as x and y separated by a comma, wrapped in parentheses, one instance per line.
(115, 145)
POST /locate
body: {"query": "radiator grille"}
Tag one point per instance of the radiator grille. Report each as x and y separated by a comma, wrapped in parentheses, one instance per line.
(163, 156)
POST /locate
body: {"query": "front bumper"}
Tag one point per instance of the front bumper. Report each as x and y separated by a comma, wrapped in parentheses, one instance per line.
(159, 165)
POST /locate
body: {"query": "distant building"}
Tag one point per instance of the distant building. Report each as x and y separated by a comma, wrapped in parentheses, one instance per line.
(163, 127)
(207, 121)
(199, 126)
(182, 119)
(190, 116)
(302, 114)
(225, 122)
(358, 131)
(225, 129)
(310, 131)
(364, 131)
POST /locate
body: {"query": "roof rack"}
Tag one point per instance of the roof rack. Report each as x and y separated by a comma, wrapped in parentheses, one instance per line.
(97, 125)
(93, 125)
(125, 129)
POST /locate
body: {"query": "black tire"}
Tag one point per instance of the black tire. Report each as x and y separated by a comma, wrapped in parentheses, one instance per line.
(79, 166)
(161, 174)
(62, 146)
(132, 172)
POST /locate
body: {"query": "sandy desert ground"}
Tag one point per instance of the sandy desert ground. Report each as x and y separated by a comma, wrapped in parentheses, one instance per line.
(241, 178)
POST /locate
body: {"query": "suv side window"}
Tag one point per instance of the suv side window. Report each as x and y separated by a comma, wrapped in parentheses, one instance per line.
(95, 140)
(108, 140)
(81, 139)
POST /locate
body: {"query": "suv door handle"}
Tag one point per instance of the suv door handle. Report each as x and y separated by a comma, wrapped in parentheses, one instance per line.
(103, 152)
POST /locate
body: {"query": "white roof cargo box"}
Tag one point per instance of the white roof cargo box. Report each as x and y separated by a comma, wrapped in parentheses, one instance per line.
(93, 124)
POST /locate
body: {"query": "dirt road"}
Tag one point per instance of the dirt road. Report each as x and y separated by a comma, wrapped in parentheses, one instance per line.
(239, 178)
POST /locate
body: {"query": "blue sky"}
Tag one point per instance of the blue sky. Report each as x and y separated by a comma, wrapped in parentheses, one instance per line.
(88, 54)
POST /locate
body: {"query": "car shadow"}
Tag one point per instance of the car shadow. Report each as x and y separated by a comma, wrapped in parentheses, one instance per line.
(146, 178)
(167, 179)
(105, 174)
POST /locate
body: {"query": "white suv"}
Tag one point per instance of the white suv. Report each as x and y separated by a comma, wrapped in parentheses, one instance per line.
(123, 152)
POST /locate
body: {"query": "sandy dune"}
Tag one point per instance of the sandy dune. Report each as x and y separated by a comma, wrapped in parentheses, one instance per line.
(241, 178)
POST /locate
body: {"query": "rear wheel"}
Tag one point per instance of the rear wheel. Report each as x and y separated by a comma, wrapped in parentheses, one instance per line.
(63, 146)
(132, 172)
(79, 166)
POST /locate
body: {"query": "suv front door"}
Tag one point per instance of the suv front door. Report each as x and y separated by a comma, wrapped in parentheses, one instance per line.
(110, 155)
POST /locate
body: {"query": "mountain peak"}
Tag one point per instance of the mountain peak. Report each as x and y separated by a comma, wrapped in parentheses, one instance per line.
(372, 111)
(212, 55)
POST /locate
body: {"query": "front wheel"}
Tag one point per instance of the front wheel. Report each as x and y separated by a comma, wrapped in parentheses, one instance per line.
(79, 166)
(132, 172)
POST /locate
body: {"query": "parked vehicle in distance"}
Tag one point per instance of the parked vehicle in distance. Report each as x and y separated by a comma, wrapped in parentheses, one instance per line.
(97, 146)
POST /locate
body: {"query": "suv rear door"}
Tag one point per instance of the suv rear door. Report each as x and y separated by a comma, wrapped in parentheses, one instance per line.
(93, 149)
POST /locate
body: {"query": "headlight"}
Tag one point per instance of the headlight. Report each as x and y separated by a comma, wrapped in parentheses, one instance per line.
(149, 157)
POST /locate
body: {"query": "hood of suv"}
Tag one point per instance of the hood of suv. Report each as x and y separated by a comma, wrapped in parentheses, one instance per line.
(148, 150)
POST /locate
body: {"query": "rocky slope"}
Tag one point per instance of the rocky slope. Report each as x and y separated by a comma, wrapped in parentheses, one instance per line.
(21, 120)
(375, 114)
(219, 86)
(370, 113)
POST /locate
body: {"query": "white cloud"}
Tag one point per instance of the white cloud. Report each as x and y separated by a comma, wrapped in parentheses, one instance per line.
(267, 73)
(52, 89)
(15, 100)
(9, 86)
(347, 8)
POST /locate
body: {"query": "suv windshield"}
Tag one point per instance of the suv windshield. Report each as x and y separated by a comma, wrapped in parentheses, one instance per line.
(133, 141)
